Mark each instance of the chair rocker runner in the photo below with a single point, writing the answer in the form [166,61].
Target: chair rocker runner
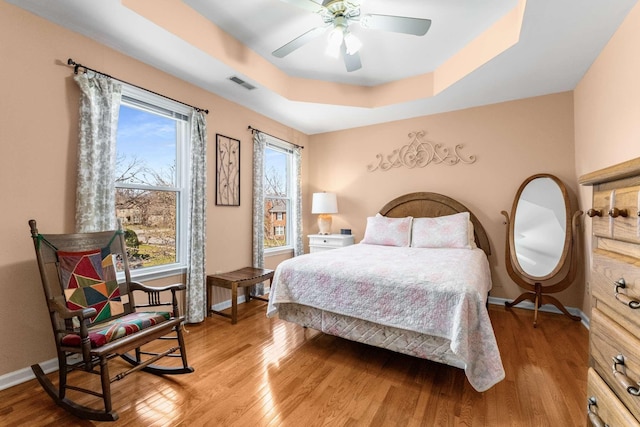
[94,317]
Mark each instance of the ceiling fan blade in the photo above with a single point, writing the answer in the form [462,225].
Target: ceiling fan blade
[299,41]
[308,5]
[352,62]
[397,24]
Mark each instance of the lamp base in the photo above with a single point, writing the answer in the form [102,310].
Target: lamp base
[324,224]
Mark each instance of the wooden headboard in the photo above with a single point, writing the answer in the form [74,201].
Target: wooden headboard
[429,205]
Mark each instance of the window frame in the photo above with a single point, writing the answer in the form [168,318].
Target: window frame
[287,149]
[156,104]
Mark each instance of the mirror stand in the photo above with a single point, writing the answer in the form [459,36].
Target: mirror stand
[537,292]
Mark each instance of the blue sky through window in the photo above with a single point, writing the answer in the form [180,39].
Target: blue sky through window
[148,137]
[276,161]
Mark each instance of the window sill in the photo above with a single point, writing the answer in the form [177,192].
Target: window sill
[278,251]
[155,273]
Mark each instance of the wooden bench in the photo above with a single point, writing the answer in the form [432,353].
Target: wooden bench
[244,278]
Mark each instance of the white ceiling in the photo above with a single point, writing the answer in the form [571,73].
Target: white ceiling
[558,42]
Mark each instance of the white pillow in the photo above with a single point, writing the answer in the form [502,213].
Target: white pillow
[472,236]
[450,231]
[388,231]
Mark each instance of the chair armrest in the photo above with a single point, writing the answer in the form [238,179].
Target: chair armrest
[153,294]
[83,314]
[66,313]
[137,286]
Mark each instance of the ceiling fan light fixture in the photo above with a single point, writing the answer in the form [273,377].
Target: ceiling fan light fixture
[352,43]
[336,37]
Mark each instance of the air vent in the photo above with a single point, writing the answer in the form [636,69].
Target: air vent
[242,83]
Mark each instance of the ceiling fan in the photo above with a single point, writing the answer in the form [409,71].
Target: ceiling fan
[338,15]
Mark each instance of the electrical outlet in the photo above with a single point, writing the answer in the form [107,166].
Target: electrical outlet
[588,287]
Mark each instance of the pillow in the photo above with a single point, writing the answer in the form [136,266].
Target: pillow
[387,231]
[472,236]
[450,231]
[89,280]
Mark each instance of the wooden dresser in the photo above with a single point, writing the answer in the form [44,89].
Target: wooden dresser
[614,345]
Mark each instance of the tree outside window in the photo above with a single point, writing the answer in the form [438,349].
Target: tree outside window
[149,181]
[277,182]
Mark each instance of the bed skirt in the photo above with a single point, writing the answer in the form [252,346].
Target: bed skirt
[412,343]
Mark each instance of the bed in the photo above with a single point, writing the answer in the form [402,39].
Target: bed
[416,284]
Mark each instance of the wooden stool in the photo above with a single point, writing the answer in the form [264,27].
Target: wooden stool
[244,277]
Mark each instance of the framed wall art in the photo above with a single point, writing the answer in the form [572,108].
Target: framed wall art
[227,171]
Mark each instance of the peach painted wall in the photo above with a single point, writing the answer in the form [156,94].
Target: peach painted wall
[607,109]
[38,128]
[38,136]
[511,141]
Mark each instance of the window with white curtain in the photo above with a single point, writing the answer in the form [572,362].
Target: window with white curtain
[152,180]
[279,191]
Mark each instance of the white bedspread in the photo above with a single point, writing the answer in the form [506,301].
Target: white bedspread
[440,292]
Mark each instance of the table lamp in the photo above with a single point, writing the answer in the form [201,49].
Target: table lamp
[324,204]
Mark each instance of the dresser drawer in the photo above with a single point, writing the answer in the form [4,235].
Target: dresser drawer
[608,340]
[626,227]
[602,225]
[331,240]
[609,268]
[604,406]
[324,242]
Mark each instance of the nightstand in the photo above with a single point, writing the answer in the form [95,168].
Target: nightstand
[324,242]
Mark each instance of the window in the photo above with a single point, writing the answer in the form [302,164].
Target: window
[151,179]
[279,191]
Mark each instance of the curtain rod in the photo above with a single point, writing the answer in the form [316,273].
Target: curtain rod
[253,130]
[76,66]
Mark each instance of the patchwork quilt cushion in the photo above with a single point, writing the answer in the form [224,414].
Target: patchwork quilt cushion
[89,280]
[100,335]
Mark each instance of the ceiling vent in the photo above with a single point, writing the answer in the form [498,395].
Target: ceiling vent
[242,83]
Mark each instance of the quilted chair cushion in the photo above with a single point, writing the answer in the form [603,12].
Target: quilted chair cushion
[89,280]
[118,328]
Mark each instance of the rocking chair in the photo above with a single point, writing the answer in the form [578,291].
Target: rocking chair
[94,317]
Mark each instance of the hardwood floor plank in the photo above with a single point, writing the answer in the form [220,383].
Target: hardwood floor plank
[267,372]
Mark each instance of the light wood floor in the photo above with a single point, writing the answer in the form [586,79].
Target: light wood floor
[267,372]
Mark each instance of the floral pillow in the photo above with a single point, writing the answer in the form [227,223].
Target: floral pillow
[388,231]
[450,231]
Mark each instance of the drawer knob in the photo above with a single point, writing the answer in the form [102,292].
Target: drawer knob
[615,213]
[624,298]
[594,212]
[632,387]
[595,419]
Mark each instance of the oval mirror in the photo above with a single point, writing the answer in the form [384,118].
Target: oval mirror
[541,227]
[541,240]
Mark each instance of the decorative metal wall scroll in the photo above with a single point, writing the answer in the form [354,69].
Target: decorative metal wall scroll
[227,171]
[419,153]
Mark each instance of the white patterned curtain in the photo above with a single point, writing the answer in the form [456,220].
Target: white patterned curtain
[259,145]
[96,192]
[298,246]
[195,294]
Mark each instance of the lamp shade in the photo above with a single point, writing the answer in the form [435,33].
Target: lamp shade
[324,203]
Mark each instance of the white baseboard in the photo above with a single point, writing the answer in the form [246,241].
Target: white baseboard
[226,304]
[23,375]
[528,305]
